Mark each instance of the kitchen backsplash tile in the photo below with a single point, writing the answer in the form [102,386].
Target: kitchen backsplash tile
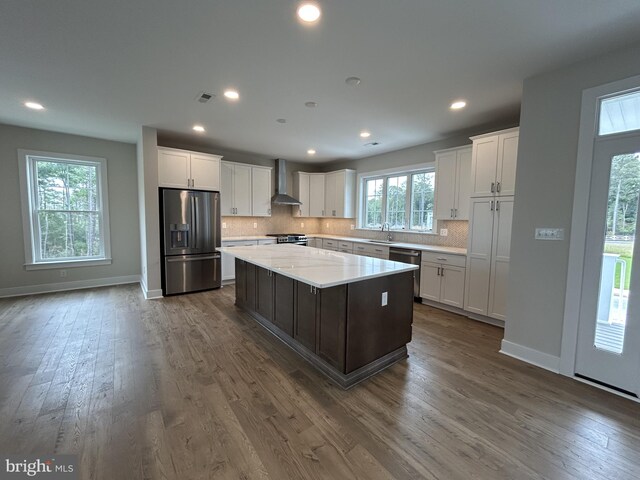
[281,221]
[456,235]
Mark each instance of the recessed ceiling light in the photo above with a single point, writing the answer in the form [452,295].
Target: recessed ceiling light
[458,104]
[198,128]
[311,104]
[311,151]
[365,134]
[281,120]
[231,94]
[308,12]
[33,105]
[353,81]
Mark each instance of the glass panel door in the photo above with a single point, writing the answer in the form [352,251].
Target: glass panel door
[608,349]
[617,254]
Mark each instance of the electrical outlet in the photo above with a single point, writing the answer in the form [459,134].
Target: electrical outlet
[255,224]
[385,298]
[444,232]
[353,227]
[546,233]
[63,273]
[327,225]
[301,224]
[224,224]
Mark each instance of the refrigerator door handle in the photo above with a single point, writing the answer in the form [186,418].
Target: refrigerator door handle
[194,228]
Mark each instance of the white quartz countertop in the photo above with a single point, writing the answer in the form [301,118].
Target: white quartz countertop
[415,246]
[314,266]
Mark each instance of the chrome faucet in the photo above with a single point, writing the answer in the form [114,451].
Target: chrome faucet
[389,234]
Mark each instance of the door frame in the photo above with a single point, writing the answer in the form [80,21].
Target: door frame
[578,239]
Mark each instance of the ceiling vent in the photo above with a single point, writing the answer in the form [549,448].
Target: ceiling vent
[205,97]
[372,144]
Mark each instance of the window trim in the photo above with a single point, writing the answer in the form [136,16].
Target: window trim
[27,180]
[389,172]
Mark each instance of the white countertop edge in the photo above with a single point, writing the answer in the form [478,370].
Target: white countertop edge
[416,246]
[290,273]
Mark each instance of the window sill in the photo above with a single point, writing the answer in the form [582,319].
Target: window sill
[412,232]
[94,262]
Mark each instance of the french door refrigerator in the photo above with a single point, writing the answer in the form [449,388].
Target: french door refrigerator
[190,240]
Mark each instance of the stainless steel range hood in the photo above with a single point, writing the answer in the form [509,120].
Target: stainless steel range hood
[281,197]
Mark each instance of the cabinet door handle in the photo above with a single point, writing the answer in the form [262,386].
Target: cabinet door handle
[323,213]
[497,205]
[498,187]
[442,271]
[438,271]
[269,211]
[493,187]
[491,205]
[452,213]
[455,212]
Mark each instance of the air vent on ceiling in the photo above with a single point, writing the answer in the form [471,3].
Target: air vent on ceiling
[372,144]
[204,97]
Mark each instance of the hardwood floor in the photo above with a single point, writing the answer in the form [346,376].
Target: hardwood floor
[192,388]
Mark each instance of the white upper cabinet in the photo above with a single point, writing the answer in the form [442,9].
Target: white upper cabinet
[325,194]
[316,195]
[453,183]
[301,192]
[493,165]
[261,192]
[184,169]
[246,190]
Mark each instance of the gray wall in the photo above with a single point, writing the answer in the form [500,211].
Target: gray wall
[123,199]
[414,155]
[549,126]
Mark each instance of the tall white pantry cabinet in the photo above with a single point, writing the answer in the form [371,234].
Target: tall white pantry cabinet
[493,168]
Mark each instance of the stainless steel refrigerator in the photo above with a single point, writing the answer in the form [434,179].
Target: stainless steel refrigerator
[190,226]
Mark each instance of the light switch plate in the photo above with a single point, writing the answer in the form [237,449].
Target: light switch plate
[255,224]
[301,224]
[546,233]
[444,232]
[353,227]
[385,298]
[224,224]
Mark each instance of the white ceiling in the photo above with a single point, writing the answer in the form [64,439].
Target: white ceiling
[104,68]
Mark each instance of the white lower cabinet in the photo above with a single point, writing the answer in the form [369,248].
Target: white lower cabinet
[442,278]
[371,250]
[488,256]
[228,262]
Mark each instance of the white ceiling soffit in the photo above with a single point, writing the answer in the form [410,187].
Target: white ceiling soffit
[104,68]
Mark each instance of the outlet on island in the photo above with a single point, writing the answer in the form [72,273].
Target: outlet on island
[444,232]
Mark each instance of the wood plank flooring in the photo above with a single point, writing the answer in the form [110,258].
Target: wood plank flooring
[190,387]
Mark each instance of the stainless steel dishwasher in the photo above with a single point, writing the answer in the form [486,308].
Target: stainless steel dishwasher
[408,255]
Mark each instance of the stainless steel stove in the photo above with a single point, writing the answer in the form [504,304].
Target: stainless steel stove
[296,238]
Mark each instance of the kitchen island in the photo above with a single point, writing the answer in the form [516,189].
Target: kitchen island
[349,315]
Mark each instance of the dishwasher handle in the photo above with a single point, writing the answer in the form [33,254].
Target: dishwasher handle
[406,253]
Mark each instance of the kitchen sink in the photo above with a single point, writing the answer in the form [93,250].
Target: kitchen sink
[380,241]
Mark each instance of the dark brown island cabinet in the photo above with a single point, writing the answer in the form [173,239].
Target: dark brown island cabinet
[349,332]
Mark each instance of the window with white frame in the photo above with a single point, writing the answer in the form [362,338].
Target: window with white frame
[65,209]
[404,200]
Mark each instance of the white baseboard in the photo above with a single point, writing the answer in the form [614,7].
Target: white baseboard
[64,286]
[151,294]
[481,318]
[529,355]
